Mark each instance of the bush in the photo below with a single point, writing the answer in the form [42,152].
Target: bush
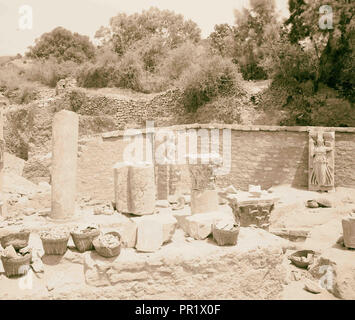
[213,76]
[130,72]
[50,72]
[15,86]
[102,73]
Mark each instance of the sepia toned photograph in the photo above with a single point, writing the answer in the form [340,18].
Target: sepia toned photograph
[168,152]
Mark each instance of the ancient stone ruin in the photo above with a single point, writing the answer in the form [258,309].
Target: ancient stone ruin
[175,230]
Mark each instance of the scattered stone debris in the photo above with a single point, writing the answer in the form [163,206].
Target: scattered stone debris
[312,287]
[29,211]
[180,204]
[324,203]
[312,204]
[105,209]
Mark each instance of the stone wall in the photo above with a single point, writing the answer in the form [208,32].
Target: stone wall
[259,155]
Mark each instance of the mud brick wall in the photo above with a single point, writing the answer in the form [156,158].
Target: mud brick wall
[259,155]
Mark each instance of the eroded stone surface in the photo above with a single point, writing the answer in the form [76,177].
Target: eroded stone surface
[199,226]
[251,270]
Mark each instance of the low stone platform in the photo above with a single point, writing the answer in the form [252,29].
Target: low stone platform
[179,270]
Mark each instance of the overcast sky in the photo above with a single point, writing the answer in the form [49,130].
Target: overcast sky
[86,16]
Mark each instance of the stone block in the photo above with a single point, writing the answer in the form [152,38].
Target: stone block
[204,201]
[349,232]
[168,222]
[199,226]
[13,164]
[150,235]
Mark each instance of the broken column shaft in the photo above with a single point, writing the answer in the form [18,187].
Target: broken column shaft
[64,164]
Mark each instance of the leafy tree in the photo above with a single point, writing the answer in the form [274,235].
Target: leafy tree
[256,28]
[333,48]
[126,30]
[63,45]
[222,39]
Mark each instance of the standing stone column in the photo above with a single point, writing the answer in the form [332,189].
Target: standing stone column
[65,133]
[3,211]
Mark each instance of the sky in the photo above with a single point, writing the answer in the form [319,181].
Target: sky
[86,16]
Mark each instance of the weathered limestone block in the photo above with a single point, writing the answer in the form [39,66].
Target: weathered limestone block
[64,164]
[253,212]
[204,201]
[142,188]
[253,269]
[150,235]
[321,161]
[121,187]
[199,226]
[168,222]
[13,164]
[349,232]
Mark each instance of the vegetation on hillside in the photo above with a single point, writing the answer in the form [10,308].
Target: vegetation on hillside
[312,69]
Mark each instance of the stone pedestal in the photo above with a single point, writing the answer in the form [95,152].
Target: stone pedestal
[64,164]
[349,232]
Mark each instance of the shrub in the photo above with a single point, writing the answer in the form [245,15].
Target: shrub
[130,71]
[15,86]
[212,76]
[50,72]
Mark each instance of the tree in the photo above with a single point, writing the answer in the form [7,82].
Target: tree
[255,29]
[222,39]
[126,30]
[63,45]
[332,47]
